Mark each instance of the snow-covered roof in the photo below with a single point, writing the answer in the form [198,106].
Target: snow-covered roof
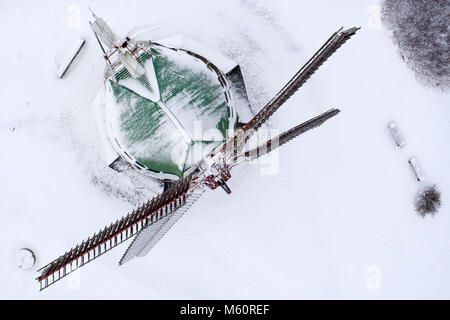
[167,119]
[184,42]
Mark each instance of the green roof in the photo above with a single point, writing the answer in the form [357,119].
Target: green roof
[162,135]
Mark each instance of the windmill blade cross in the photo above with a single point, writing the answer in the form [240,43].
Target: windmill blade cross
[151,221]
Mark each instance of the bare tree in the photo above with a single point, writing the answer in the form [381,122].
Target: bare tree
[420,31]
[428,200]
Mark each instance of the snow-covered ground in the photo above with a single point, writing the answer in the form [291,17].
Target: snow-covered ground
[336,220]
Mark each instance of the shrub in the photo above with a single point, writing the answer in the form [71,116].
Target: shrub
[428,200]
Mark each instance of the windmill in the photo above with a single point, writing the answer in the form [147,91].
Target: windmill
[149,222]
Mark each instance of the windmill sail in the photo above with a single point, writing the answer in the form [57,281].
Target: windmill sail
[118,232]
[285,137]
[143,238]
[236,144]
[148,237]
